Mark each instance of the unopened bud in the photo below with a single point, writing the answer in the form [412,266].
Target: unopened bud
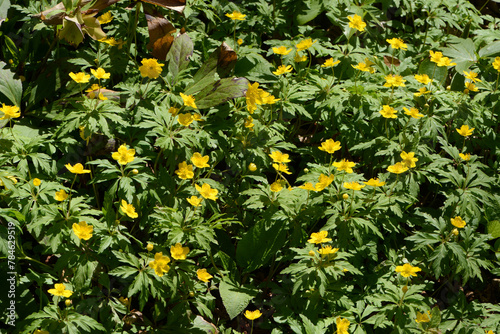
[149,247]
[405,289]
[135,171]
[252,167]
[306,170]
[191,294]
[345,196]
[68,302]
[312,253]
[448,87]
[466,91]
[455,231]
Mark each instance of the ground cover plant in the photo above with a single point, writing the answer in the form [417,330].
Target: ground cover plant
[250,166]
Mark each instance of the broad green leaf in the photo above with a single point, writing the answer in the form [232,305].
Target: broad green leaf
[433,71]
[259,244]
[179,55]
[235,298]
[221,91]
[315,7]
[11,88]
[492,49]
[494,228]
[462,53]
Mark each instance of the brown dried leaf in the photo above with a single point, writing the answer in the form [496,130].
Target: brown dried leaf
[160,34]
[54,15]
[227,59]
[177,5]
[388,60]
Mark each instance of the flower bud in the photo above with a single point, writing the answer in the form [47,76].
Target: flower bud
[252,167]
[149,247]
[68,302]
[306,170]
[312,253]
[405,289]
[345,196]
[466,91]
[135,171]
[455,232]
[448,87]
[191,294]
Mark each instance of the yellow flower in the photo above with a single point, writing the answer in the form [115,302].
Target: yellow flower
[82,230]
[252,167]
[374,182]
[465,130]
[323,182]
[394,81]
[407,270]
[422,317]
[470,86]
[397,168]
[173,110]
[124,155]
[150,68]
[328,250]
[207,192]
[319,237]
[365,66]
[195,201]
[445,61]
[36,182]
[353,185]
[256,96]
[10,177]
[128,209]
[80,77]
[178,252]
[239,41]
[436,56]
[185,119]
[330,146]
[388,112]
[200,161]
[77,169]
[249,123]
[308,186]
[356,22]
[496,64]
[61,195]
[397,43]
[60,290]
[344,165]
[279,157]
[422,91]
[100,73]
[196,117]
[188,101]
[408,159]
[160,264]
[111,41]
[282,69]
[203,275]
[185,171]
[458,222]
[252,315]
[236,16]
[281,50]
[281,168]
[342,326]
[330,63]
[413,112]
[472,76]
[277,186]
[305,44]
[269,99]
[102,97]
[465,157]
[10,111]
[105,18]
[299,59]
[423,78]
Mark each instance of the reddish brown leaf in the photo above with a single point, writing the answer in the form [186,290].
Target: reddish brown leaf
[388,60]
[160,34]
[54,15]
[177,5]
[227,58]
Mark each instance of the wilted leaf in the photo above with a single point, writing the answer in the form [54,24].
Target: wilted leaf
[54,15]
[71,31]
[388,60]
[221,91]
[177,5]
[160,34]
[92,27]
[100,4]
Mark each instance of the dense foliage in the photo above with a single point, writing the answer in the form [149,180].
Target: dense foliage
[250,166]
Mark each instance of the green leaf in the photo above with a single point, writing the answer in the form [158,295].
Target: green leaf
[235,298]
[435,318]
[490,50]
[221,91]
[494,228]
[433,71]
[306,15]
[462,52]
[10,87]
[179,55]
[259,244]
